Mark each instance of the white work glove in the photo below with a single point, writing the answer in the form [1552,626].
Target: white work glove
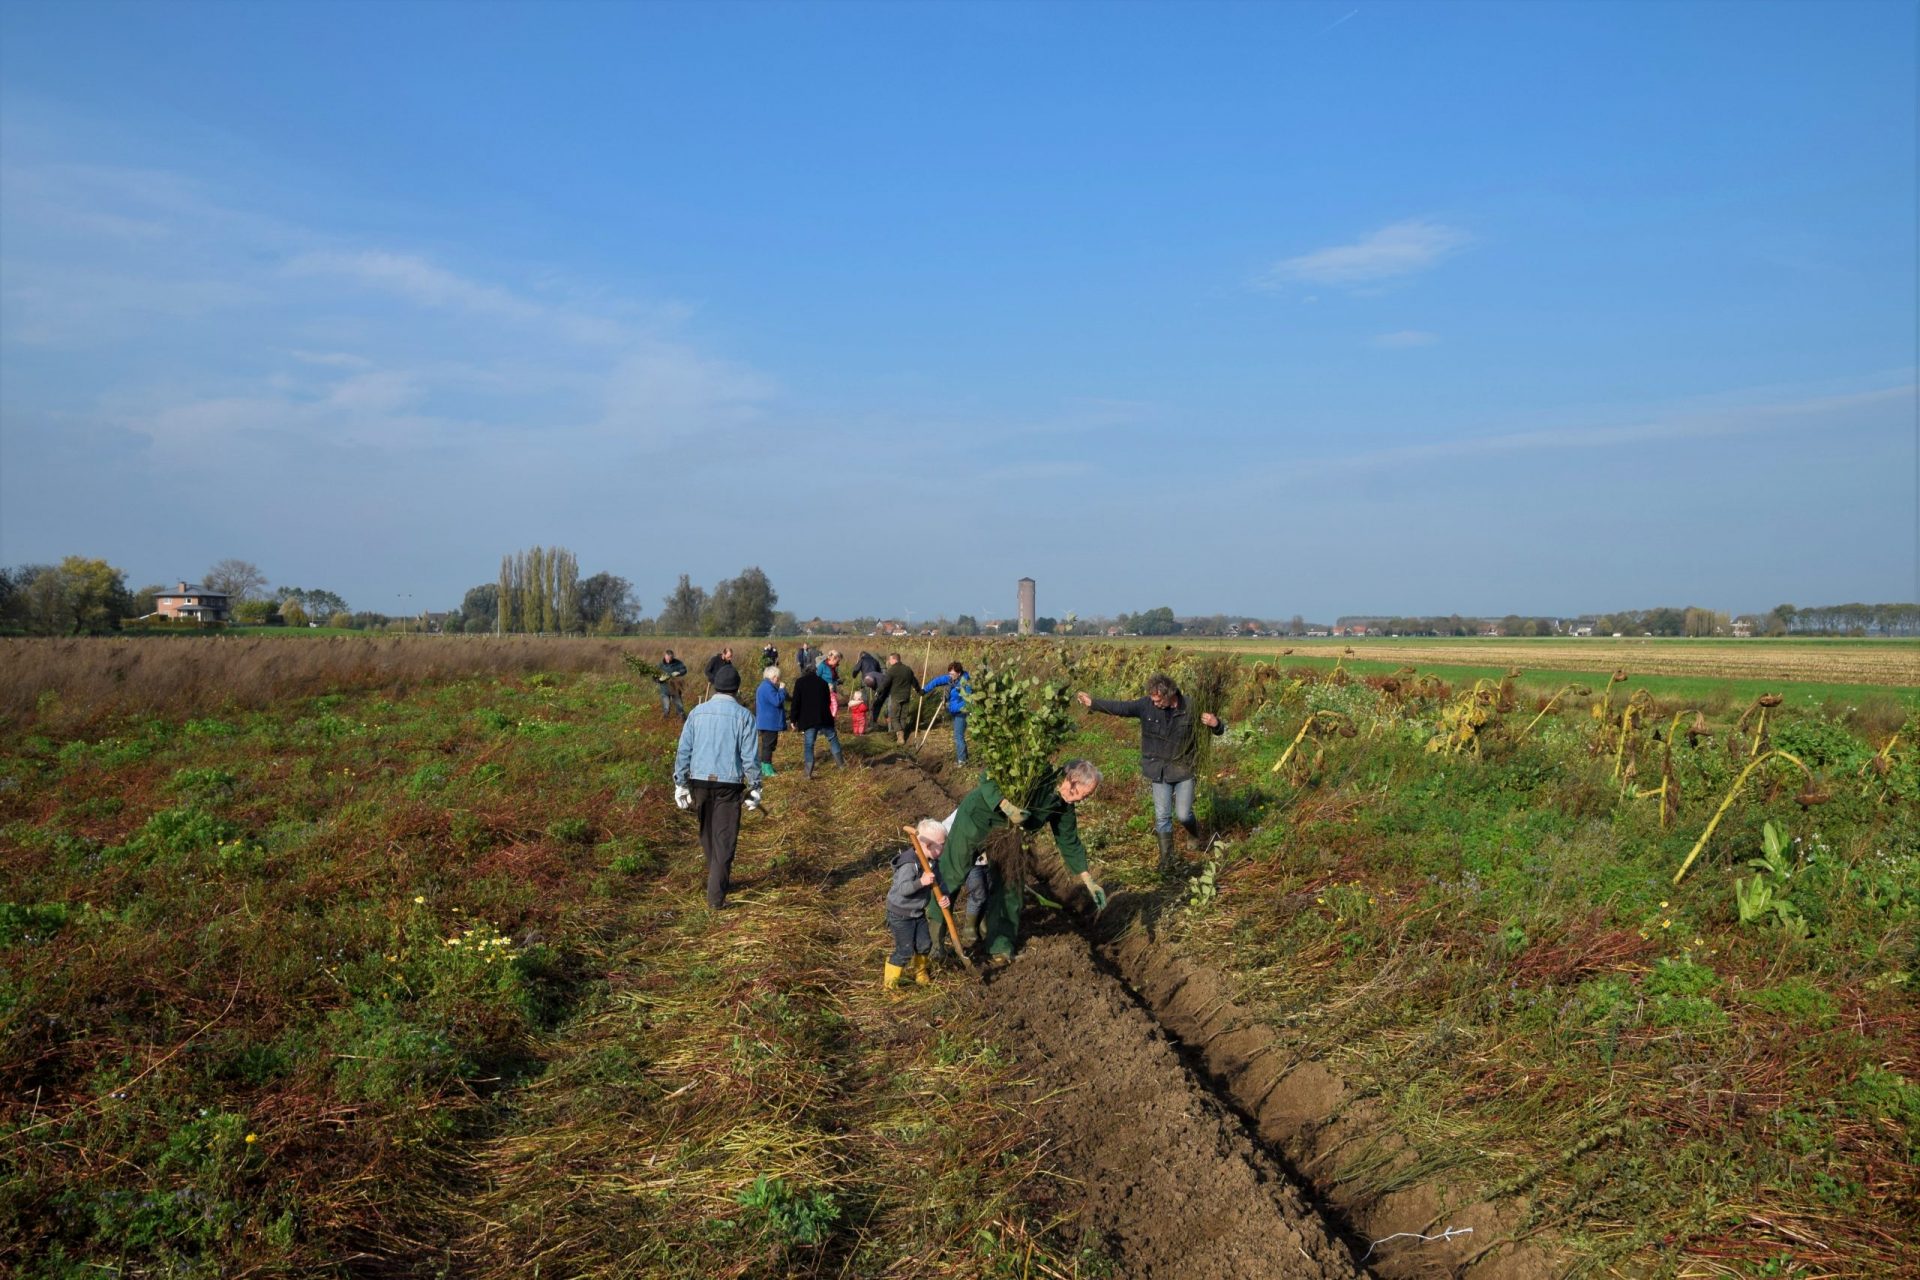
[753,799]
[683,796]
[1015,814]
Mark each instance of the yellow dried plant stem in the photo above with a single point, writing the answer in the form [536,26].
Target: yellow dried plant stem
[1551,703]
[1606,699]
[1299,737]
[1620,747]
[1733,793]
[1884,756]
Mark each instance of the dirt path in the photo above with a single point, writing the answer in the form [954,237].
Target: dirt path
[1169,1179]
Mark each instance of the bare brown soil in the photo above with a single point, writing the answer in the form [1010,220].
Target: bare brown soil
[1168,1178]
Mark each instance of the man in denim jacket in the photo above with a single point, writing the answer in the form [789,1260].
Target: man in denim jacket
[715,772]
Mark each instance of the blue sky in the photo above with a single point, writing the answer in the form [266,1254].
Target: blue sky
[1306,308]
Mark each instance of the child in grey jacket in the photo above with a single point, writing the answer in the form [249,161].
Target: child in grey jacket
[907,906]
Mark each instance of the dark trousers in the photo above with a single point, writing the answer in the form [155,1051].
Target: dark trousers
[910,937]
[769,739]
[717,805]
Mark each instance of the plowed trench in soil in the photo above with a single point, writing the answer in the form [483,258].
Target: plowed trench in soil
[1167,1177]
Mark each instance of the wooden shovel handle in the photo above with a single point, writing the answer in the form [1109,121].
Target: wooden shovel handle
[953,931]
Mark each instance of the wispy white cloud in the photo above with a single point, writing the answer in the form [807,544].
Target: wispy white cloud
[1678,425]
[310,343]
[1401,249]
[1405,338]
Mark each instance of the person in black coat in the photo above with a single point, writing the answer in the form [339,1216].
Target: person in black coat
[813,716]
[1167,753]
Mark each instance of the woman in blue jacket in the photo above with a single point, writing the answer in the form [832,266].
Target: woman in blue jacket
[959,687]
[770,716]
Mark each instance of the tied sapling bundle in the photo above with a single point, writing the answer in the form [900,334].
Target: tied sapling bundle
[1206,694]
[640,666]
[1016,723]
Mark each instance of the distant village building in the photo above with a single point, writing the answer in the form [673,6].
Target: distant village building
[1743,627]
[1027,610]
[192,603]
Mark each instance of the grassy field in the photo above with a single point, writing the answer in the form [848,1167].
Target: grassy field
[358,984]
[388,956]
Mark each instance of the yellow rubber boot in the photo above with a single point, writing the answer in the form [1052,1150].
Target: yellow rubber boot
[891,978]
[920,974]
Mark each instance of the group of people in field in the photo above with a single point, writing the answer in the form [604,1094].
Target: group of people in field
[726,752]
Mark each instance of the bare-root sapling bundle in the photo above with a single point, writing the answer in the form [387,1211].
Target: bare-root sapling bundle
[1015,724]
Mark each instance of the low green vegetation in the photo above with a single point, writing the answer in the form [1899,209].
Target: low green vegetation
[423,984]
[1486,941]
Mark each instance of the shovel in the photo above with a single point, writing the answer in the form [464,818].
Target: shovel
[953,930]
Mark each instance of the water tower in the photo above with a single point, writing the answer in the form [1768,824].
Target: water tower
[1027,614]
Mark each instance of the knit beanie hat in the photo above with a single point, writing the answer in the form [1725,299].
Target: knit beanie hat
[726,679]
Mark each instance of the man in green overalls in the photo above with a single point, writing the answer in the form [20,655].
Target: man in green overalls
[985,810]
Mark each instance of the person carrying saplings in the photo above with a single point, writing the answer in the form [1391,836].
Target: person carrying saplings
[985,810]
[1168,748]
[907,907]
[898,687]
[715,773]
[672,682]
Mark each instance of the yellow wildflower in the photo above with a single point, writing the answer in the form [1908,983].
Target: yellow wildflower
[253,1137]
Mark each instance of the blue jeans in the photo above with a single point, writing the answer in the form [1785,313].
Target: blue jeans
[960,737]
[975,887]
[1172,800]
[806,745]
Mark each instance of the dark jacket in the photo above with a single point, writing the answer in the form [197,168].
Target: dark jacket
[714,664]
[1166,752]
[898,685]
[671,671]
[906,896]
[868,665]
[979,815]
[812,709]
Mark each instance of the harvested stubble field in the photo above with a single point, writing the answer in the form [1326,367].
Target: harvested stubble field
[413,977]
[1886,663]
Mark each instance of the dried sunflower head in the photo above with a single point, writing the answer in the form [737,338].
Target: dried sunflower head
[1771,699]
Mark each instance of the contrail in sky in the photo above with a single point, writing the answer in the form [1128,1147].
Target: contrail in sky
[1336,22]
